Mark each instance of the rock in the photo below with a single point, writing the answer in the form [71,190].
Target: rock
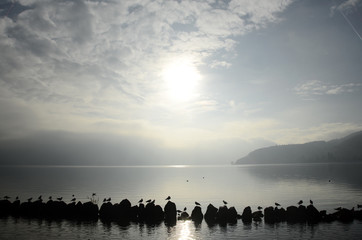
[247,215]
[313,215]
[257,216]
[5,207]
[196,214]
[210,215]
[170,213]
[232,215]
[184,216]
[222,214]
[269,215]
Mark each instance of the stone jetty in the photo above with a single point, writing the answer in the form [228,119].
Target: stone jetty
[124,211]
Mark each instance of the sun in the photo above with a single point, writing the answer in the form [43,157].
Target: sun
[181,79]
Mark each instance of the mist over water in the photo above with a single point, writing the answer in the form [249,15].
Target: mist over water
[328,185]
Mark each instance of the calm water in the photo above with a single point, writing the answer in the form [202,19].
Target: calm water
[329,185]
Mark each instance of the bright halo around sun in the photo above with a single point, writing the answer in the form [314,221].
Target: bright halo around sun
[181,79]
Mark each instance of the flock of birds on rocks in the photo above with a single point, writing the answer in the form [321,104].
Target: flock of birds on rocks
[124,210]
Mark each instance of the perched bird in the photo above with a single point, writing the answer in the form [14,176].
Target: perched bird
[141,200]
[104,200]
[59,198]
[185,209]
[29,199]
[93,194]
[198,204]
[259,208]
[277,204]
[153,201]
[148,201]
[187,180]
[338,208]
[179,211]
[17,198]
[225,202]
[39,198]
[352,209]
[6,197]
[311,202]
[300,202]
[73,199]
[168,198]
[359,205]
[50,197]
[109,199]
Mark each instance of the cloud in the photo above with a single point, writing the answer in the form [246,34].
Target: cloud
[316,87]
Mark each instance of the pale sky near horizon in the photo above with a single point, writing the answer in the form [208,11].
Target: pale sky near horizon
[177,81]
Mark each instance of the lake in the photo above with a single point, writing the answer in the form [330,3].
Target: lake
[328,185]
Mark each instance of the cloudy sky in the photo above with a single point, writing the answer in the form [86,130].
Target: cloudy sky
[141,81]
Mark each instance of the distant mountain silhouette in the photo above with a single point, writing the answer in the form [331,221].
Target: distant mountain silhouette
[347,149]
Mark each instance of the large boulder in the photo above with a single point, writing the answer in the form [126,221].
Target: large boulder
[170,213]
[222,215]
[196,214]
[232,215]
[269,215]
[313,215]
[210,215]
[247,215]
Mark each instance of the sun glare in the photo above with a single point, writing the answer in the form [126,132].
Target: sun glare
[181,79]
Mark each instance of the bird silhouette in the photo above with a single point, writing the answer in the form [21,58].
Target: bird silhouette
[359,205]
[225,202]
[17,198]
[277,204]
[311,202]
[50,197]
[153,201]
[6,197]
[104,200]
[29,199]
[259,208]
[141,200]
[198,204]
[109,199]
[148,201]
[59,198]
[185,209]
[168,198]
[93,194]
[300,202]
[338,208]
[179,211]
[73,199]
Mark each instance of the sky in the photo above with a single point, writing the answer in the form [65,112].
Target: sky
[175,82]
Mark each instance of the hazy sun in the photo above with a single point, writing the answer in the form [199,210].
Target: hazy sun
[181,78]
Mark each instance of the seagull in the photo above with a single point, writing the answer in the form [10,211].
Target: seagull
[29,199]
[104,200]
[6,197]
[153,201]
[185,209]
[148,201]
[50,197]
[225,202]
[300,202]
[141,200]
[59,198]
[198,204]
[168,198]
[277,204]
[17,198]
[338,208]
[260,208]
[93,194]
[39,198]
[179,211]
[73,199]
[359,206]
[311,202]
